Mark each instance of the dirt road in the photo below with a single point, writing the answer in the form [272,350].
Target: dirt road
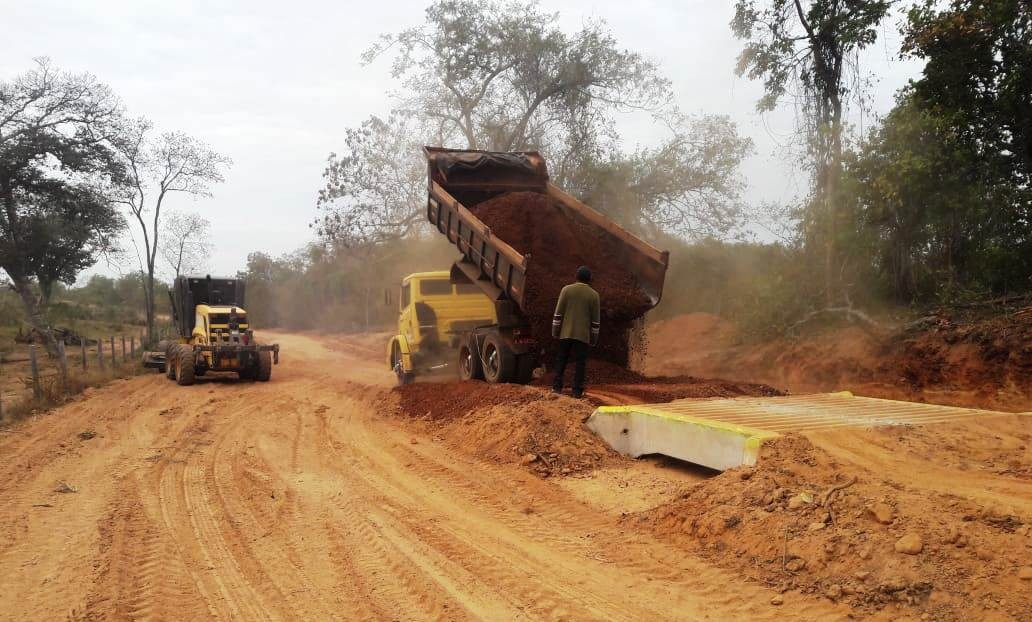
[296,500]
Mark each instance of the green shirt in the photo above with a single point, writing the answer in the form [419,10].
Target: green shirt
[577,314]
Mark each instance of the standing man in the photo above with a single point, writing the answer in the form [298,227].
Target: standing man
[575,325]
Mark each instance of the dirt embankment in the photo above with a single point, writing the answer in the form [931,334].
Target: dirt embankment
[983,363]
[532,426]
[929,521]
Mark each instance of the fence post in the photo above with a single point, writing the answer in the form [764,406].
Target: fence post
[123,349]
[82,348]
[113,361]
[37,388]
[64,363]
[100,353]
[132,347]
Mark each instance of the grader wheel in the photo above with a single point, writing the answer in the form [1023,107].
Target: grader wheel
[264,371]
[185,366]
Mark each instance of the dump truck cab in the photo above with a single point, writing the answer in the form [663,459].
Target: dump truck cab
[212,333]
[435,311]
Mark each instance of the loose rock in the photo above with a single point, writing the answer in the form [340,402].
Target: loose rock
[882,512]
[777,599]
[909,544]
[1025,573]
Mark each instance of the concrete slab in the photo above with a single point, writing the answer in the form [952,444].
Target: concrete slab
[726,433]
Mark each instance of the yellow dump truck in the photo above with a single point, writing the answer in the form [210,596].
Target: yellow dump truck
[480,325]
[436,312]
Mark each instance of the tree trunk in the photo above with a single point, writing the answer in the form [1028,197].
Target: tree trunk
[37,319]
[148,299]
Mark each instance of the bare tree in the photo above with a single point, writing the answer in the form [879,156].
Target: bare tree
[187,242]
[158,166]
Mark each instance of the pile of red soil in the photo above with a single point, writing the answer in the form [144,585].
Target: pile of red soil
[557,244]
[451,400]
[507,423]
[801,521]
[983,362]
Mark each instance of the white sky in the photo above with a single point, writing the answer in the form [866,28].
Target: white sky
[273,85]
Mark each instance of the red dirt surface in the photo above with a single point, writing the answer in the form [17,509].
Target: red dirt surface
[534,225]
[956,492]
[985,363]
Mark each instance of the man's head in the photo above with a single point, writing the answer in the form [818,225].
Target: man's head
[584,274]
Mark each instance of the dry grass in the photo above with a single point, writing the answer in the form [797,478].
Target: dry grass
[55,391]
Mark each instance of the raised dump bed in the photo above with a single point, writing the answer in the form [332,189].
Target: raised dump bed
[727,433]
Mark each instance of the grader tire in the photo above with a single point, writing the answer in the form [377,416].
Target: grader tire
[185,366]
[171,349]
[162,347]
[264,370]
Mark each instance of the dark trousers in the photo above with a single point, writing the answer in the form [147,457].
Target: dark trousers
[579,349]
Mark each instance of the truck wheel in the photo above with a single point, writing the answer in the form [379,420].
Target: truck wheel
[404,377]
[185,366]
[170,360]
[499,361]
[525,366]
[470,367]
[264,370]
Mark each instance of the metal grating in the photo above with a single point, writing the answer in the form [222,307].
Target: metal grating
[812,412]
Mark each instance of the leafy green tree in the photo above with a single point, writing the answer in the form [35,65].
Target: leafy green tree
[54,159]
[689,185]
[808,50]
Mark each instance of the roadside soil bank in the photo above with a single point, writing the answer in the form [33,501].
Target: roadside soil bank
[536,428]
[982,363]
[929,522]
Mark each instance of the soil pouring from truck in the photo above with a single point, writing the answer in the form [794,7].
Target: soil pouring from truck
[499,346]
[213,333]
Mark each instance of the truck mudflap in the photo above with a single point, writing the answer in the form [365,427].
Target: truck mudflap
[232,349]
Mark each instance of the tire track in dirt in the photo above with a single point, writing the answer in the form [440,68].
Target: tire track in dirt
[294,500]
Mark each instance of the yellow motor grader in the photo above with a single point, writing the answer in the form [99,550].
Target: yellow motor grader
[213,333]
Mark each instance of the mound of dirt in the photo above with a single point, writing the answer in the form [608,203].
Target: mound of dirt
[507,423]
[803,521]
[557,245]
[985,363]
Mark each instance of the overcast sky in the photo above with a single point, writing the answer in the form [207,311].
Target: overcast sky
[274,85]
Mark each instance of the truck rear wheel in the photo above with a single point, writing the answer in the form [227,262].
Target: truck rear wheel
[470,367]
[525,366]
[264,369]
[499,360]
[185,366]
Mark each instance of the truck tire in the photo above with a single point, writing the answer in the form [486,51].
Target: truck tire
[263,372]
[499,361]
[404,377]
[171,349]
[525,366]
[470,366]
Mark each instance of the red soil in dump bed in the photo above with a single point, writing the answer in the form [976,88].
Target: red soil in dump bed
[534,225]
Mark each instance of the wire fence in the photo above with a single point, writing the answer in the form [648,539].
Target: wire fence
[42,383]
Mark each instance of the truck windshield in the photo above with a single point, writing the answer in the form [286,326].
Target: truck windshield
[406,295]
[435,287]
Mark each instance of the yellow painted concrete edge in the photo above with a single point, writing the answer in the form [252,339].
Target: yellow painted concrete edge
[754,437]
